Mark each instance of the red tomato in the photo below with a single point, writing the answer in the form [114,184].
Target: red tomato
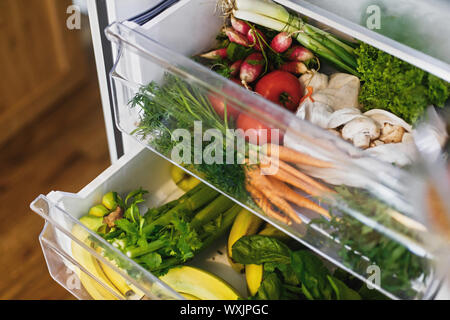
[282,88]
[218,104]
[260,134]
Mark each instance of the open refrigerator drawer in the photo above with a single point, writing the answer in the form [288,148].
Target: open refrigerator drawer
[373,206]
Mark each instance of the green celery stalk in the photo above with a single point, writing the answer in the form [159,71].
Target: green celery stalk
[211,211]
[198,199]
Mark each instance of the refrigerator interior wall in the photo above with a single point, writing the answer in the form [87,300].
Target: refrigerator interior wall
[143,59]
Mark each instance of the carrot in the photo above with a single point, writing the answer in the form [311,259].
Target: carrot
[262,183]
[296,173]
[284,176]
[290,155]
[266,206]
[299,200]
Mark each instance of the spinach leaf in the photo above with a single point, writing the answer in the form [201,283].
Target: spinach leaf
[259,249]
[271,288]
[312,273]
[342,291]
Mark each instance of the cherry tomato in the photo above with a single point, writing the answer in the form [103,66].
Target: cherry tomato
[282,88]
[260,134]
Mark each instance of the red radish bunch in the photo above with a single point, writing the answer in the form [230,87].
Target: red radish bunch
[281,42]
[215,54]
[236,37]
[256,40]
[235,67]
[294,67]
[299,53]
[240,26]
[252,67]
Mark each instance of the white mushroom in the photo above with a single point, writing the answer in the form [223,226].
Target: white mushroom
[361,131]
[343,116]
[391,133]
[382,117]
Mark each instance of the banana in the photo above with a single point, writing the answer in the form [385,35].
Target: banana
[131,293]
[270,230]
[246,223]
[253,276]
[254,272]
[84,258]
[182,179]
[189,296]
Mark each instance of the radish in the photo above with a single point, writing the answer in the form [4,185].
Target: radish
[251,67]
[255,41]
[294,67]
[299,53]
[215,54]
[235,67]
[236,37]
[239,25]
[281,42]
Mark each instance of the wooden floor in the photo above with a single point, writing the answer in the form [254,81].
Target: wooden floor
[62,150]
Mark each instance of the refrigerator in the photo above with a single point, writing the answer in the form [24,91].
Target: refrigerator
[139,41]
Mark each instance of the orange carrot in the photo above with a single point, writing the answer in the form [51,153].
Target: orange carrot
[259,181]
[292,196]
[284,176]
[289,155]
[296,173]
[266,206]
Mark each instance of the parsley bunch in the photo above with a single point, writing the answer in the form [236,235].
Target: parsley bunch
[396,86]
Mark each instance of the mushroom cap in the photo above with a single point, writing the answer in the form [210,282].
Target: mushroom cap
[343,116]
[363,125]
[382,117]
[361,131]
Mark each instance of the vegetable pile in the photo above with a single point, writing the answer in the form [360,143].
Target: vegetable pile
[294,274]
[264,48]
[166,236]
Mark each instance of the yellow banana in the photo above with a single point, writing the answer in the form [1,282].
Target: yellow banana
[84,258]
[246,223]
[254,272]
[119,282]
[188,296]
[182,179]
[270,230]
[253,276]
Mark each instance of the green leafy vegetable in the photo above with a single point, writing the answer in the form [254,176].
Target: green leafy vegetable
[400,267]
[260,249]
[289,274]
[394,85]
[170,235]
[176,105]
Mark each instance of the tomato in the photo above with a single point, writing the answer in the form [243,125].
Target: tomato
[218,104]
[282,88]
[262,134]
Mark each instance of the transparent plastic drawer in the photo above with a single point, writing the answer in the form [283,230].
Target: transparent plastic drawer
[78,267]
[375,211]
